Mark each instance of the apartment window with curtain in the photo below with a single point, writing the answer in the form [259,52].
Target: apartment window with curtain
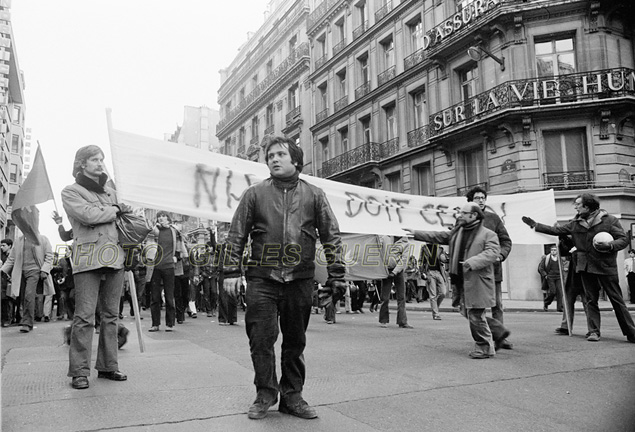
[293,97]
[255,123]
[365,129]
[341,78]
[269,116]
[388,48]
[424,183]
[344,140]
[555,57]
[473,167]
[241,137]
[361,16]
[566,150]
[363,69]
[323,95]
[415,29]
[419,108]
[391,122]
[324,144]
[241,95]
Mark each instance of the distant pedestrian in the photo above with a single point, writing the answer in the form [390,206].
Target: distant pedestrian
[549,270]
[629,270]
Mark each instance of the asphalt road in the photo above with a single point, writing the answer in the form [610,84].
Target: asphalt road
[360,377]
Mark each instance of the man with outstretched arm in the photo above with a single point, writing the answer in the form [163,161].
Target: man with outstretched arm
[595,261]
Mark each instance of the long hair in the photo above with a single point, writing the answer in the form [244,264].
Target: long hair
[82,155]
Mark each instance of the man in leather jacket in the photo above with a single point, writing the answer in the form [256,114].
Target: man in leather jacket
[281,216]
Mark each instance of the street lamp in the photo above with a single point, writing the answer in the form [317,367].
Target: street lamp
[474,52]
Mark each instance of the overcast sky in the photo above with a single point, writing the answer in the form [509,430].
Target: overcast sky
[144,59]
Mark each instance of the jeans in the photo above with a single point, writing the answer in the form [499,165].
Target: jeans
[31,279]
[272,307]
[592,283]
[481,332]
[181,296]
[400,290]
[91,290]
[437,289]
[167,276]
[210,294]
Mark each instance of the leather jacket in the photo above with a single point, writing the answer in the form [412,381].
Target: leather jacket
[282,222]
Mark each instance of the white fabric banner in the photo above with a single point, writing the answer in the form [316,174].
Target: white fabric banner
[163,175]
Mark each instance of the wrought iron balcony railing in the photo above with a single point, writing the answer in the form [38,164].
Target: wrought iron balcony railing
[535,92]
[389,148]
[298,54]
[568,180]
[368,152]
[419,136]
[341,103]
[293,114]
[383,11]
[339,46]
[322,115]
[414,59]
[241,149]
[362,90]
[319,62]
[269,130]
[254,140]
[360,30]
[386,75]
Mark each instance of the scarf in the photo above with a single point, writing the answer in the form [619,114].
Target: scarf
[90,184]
[287,182]
[462,241]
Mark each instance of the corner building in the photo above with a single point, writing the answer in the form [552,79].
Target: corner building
[435,97]
[264,91]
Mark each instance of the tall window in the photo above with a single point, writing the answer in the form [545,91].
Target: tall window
[15,143]
[254,81]
[254,128]
[324,99]
[321,45]
[241,95]
[416,35]
[340,30]
[391,122]
[394,182]
[292,44]
[228,146]
[566,150]
[228,108]
[293,97]
[363,69]
[341,83]
[362,13]
[469,82]
[555,57]
[388,47]
[473,167]
[269,67]
[13,173]
[424,184]
[366,132]
[324,143]
[269,116]
[241,137]
[419,108]
[344,140]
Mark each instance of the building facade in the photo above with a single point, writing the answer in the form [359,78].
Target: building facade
[434,97]
[198,129]
[265,90]
[12,131]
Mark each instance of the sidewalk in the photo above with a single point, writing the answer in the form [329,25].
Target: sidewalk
[509,305]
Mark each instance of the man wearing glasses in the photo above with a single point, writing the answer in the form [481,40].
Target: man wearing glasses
[595,262]
[492,221]
[473,251]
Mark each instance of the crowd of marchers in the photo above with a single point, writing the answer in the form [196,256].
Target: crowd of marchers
[175,279]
